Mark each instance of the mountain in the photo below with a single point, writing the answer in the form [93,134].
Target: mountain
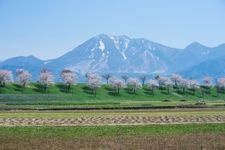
[30,63]
[116,54]
[214,68]
[191,55]
[212,64]
[124,55]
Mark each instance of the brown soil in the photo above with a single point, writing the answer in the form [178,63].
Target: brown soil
[172,142]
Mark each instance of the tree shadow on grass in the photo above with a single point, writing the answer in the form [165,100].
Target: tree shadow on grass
[190,92]
[38,88]
[176,87]
[129,91]
[148,91]
[180,92]
[62,88]
[87,90]
[111,91]
[18,87]
[114,93]
[165,92]
[108,88]
[214,95]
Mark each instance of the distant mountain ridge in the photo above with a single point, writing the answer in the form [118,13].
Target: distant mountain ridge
[124,55]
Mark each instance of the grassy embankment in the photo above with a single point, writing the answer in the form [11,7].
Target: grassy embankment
[12,96]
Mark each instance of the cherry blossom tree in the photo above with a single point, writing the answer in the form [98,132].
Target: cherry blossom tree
[125,78]
[207,83]
[221,82]
[93,81]
[107,76]
[164,82]
[87,75]
[193,85]
[5,76]
[69,78]
[157,77]
[176,78]
[152,84]
[45,79]
[161,80]
[168,84]
[188,84]
[134,84]
[117,84]
[183,83]
[220,85]
[143,78]
[23,77]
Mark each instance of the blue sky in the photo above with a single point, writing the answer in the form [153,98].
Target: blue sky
[50,28]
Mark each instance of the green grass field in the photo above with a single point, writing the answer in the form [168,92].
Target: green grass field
[80,96]
[110,113]
[191,136]
[107,131]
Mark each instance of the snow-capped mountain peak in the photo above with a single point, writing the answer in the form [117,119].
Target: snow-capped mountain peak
[120,54]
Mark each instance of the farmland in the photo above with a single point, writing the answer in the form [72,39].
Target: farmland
[188,135]
[56,119]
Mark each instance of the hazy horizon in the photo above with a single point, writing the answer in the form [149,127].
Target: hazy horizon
[49,29]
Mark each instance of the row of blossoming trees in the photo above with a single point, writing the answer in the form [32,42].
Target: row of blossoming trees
[70,78]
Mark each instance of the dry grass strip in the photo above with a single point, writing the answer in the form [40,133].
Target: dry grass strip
[120,120]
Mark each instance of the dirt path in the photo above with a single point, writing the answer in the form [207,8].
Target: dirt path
[121,120]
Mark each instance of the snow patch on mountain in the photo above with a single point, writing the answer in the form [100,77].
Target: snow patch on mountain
[101,45]
[116,41]
[92,49]
[46,62]
[124,56]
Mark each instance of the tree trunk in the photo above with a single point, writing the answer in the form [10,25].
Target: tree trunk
[24,85]
[45,88]
[217,91]
[168,90]
[209,90]
[69,88]
[202,91]
[193,91]
[175,84]
[152,90]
